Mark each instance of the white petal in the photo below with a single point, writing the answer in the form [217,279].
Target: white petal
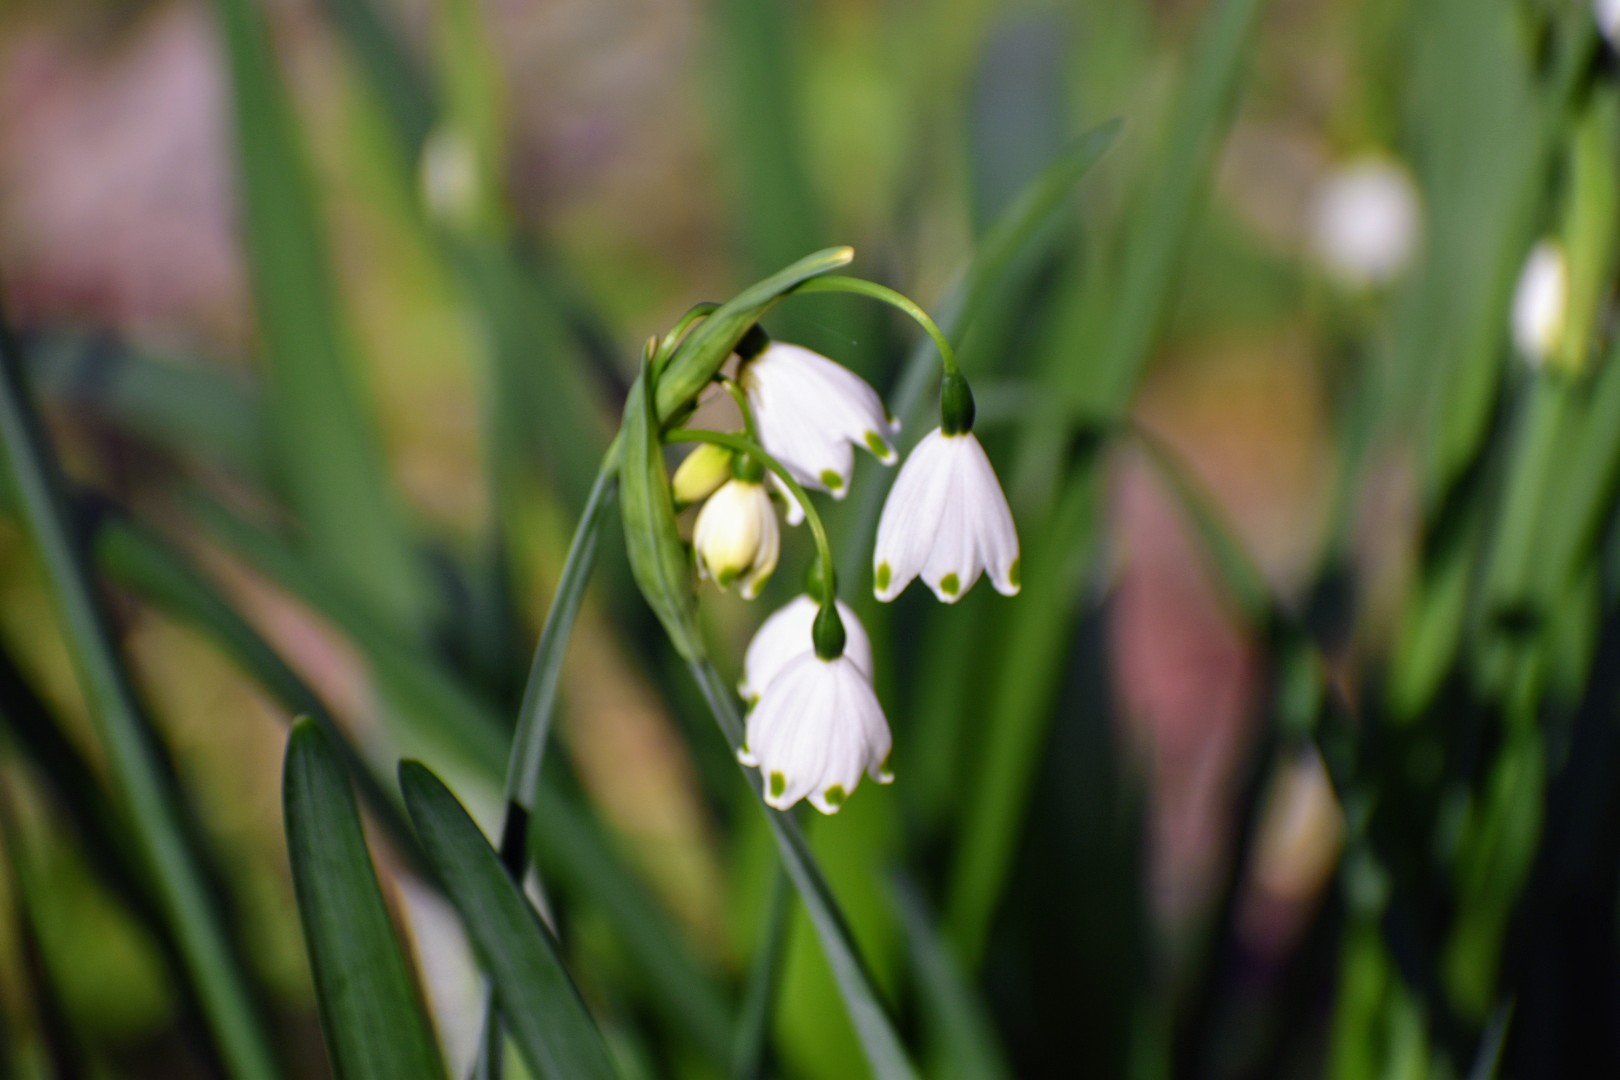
[910,523]
[991,517]
[810,411]
[953,565]
[817,728]
[736,535]
[787,635]
[1539,302]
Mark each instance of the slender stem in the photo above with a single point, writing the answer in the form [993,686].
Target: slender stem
[741,398]
[743,445]
[540,693]
[132,754]
[886,295]
[764,976]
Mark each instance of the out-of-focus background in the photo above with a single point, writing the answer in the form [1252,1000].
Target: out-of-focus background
[338,300]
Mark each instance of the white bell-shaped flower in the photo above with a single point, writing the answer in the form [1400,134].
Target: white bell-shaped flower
[946,520]
[737,537]
[811,413]
[1607,14]
[1539,303]
[787,635]
[817,728]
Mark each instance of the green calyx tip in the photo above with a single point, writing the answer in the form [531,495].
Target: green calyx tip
[1015,573]
[778,785]
[748,468]
[956,408]
[831,479]
[753,342]
[876,444]
[828,631]
[834,796]
[884,575]
[950,584]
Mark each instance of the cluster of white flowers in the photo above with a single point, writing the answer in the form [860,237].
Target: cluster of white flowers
[815,725]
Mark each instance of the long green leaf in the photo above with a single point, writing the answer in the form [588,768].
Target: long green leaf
[370,1010]
[329,461]
[539,1001]
[884,1050]
[142,783]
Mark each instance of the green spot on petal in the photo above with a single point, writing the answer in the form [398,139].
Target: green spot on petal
[831,479]
[778,785]
[725,577]
[884,575]
[834,796]
[875,443]
[1013,573]
[950,584]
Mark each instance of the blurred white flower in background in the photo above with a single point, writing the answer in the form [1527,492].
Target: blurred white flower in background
[1607,14]
[1539,303]
[1365,221]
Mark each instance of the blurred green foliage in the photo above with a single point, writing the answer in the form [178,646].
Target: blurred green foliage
[1297,756]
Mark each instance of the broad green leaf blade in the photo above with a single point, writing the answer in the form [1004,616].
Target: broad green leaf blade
[658,558]
[393,74]
[964,1032]
[370,1010]
[884,1050]
[539,1002]
[705,349]
[141,778]
[777,204]
[327,456]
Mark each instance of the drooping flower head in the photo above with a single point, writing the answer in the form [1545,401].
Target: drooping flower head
[811,414]
[736,536]
[786,636]
[700,474]
[818,726]
[946,518]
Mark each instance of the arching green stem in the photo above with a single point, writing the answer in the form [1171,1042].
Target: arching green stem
[742,445]
[886,295]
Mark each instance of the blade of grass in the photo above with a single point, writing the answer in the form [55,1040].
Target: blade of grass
[777,202]
[394,74]
[142,785]
[963,1031]
[543,1010]
[189,409]
[884,1051]
[759,995]
[370,1010]
[327,455]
